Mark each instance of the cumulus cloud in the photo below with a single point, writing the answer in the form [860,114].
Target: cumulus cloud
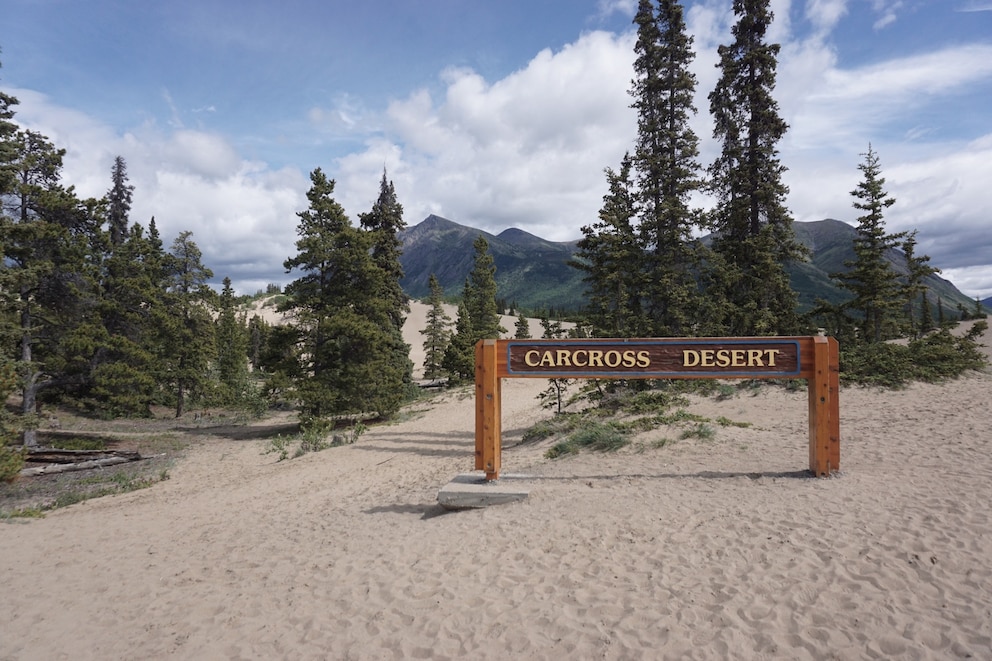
[241,213]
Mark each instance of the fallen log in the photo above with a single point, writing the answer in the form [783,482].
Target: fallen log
[59,456]
[121,457]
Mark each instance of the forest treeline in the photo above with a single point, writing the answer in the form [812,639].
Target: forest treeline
[100,315]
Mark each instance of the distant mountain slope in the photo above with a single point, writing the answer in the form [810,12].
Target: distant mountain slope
[530,271]
[534,273]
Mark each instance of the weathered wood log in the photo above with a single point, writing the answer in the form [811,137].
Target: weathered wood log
[82,465]
[59,456]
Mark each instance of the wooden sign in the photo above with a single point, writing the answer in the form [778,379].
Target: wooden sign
[812,358]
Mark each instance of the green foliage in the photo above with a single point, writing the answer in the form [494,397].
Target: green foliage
[701,431]
[878,294]
[935,357]
[755,241]
[437,333]
[595,436]
[11,462]
[345,354]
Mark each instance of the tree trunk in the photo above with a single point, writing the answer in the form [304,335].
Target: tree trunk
[29,389]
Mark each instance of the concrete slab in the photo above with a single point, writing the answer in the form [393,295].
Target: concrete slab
[471,491]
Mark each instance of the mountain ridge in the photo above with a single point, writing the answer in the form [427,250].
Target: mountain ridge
[533,273]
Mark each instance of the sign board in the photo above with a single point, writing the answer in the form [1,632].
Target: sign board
[812,358]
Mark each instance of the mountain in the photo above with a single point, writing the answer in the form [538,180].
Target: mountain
[531,272]
[534,273]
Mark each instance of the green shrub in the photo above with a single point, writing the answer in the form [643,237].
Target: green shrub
[11,462]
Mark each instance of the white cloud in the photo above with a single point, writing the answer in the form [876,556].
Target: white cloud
[241,213]
[527,150]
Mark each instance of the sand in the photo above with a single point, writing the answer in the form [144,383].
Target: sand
[705,549]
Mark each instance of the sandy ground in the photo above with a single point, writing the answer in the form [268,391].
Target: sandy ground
[705,549]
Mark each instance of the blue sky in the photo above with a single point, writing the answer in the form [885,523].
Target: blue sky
[494,114]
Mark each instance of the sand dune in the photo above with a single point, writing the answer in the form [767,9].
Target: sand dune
[705,549]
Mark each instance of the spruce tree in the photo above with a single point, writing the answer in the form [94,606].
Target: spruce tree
[384,223]
[754,240]
[521,328]
[666,167]
[610,255]
[480,294]
[118,202]
[349,346]
[437,332]
[232,347]
[552,396]
[187,325]
[877,292]
[46,275]
[918,269]
[459,357]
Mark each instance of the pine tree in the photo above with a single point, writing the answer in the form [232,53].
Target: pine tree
[436,333]
[46,278]
[119,202]
[918,269]
[384,222]
[610,255]
[522,328]
[459,357]
[480,294]
[552,396]
[8,144]
[667,169]
[754,236]
[349,346]
[878,294]
[128,342]
[232,346]
[187,324]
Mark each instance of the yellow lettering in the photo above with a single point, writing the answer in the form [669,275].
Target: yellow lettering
[628,359]
[771,353]
[564,358]
[575,358]
[547,359]
[738,358]
[595,358]
[643,359]
[722,358]
[612,358]
[531,358]
[690,358]
[706,358]
[754,358]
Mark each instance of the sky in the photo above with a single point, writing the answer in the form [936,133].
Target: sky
[491,113]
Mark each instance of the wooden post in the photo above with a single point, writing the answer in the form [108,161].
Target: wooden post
[824,407]
[488,429]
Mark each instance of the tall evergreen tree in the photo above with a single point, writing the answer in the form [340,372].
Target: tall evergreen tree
[611,256]
[46,280]
[878,294]
[119,202]
[754,236]
[384,222]
[437,333]
[459,357]
[521,328]
[232,346]
[349,343]
[187,324]
[918,269]
[667,169]
[8,144]
[480,294]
